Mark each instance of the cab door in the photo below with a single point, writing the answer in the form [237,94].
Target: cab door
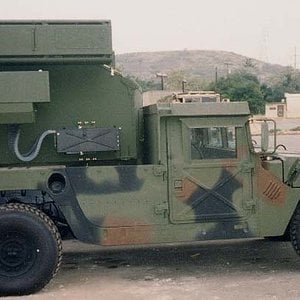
[209,170]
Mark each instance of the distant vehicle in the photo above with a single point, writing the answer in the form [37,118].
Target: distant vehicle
[197,96]
[81,157]
[194,96]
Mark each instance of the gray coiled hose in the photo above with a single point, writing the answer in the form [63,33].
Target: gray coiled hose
[13,143]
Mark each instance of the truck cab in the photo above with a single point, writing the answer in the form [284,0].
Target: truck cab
[215,179]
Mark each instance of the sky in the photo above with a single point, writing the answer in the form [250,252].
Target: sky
[262,29]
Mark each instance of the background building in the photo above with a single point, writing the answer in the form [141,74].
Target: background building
[275,110]
[288,108]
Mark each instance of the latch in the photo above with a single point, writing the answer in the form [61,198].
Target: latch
[159,170]
[247,166]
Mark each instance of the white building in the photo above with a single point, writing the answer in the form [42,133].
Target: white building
[288,108]
[292,105]
[275,110]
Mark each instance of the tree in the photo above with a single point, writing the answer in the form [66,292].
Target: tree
[242,86]
[287,82]
[249,63]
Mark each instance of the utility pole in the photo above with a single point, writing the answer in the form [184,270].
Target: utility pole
[183,82]
[228,70]
[216,75]
[162,76]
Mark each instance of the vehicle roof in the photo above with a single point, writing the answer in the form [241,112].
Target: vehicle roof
[199,109]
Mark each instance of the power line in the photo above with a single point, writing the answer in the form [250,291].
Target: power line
[295,58]
[264,45]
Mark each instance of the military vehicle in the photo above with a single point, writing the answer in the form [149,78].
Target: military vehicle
[81,156]
[197,96]
[192,96]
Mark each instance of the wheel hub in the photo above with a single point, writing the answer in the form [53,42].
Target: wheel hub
[17,255]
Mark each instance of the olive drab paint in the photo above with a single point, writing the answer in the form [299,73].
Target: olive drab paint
[77,143]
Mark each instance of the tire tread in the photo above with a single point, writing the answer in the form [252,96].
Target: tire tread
[21,207]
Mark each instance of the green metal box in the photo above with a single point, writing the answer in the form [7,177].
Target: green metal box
[18,92]
[53,41]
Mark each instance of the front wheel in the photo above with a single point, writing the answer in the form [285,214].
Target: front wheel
[30,249]
[295,230]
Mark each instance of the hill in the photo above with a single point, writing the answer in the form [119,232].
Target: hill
[198,63]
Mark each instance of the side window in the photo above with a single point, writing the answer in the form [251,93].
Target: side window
[213,143]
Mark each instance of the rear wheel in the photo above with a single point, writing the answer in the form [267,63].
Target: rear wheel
[30,249]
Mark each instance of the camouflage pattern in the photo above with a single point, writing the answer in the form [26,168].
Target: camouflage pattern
[177,172]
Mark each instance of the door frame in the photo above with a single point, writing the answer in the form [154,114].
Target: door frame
[180,162]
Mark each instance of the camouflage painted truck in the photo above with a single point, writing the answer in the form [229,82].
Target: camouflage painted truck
[80,155]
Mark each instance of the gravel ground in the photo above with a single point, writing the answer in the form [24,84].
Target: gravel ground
[238,269]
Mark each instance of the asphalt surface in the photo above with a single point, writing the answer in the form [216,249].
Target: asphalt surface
[239,269]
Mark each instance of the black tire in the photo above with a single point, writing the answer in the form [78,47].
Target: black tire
[295,230]
[30,249]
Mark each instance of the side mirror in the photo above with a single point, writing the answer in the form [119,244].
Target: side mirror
[265,136]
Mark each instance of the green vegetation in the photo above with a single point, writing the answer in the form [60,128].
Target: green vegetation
[244,85]
[146,85]
[241,85]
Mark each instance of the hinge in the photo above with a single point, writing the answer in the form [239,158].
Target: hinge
[161,209]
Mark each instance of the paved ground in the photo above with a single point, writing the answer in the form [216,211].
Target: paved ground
[285,124]
[286,134]
[249,269]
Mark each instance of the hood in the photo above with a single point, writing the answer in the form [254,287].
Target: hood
[291,167]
